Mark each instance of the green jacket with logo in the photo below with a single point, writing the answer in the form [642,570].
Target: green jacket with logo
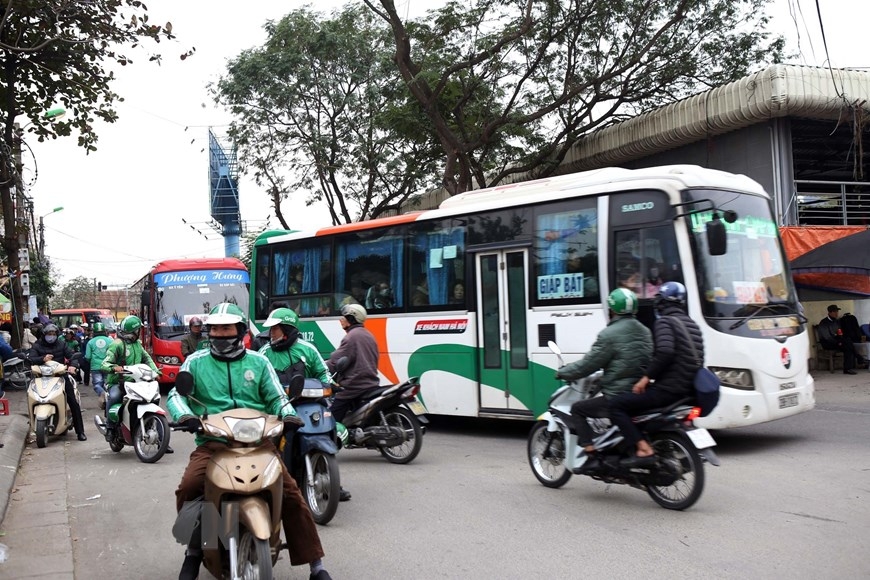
[122,354]
[247,383]
[300,350]
[623,349]
[96,351]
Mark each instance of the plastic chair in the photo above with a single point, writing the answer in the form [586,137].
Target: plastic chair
[829,357]
[4,406]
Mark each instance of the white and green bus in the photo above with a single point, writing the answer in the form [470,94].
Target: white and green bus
[468,295]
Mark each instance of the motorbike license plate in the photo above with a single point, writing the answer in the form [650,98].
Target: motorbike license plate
[787,401]
[701,438]
[417,407]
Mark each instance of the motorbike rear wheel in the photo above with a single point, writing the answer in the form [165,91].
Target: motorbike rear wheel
[41,432]
[677,453]
[547,456]
[322,497]
[255,558]
[151,438]
[405,420]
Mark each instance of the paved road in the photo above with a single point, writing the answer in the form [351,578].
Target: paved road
[790,500]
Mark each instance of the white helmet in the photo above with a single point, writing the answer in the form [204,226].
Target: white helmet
[354,313]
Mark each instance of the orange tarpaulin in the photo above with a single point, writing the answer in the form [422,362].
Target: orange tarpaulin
[797,241]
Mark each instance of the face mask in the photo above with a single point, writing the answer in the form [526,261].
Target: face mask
[50,338]
[227,348]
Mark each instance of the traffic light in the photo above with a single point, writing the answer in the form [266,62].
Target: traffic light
[100,287]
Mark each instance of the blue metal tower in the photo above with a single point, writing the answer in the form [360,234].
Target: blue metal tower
[223,174]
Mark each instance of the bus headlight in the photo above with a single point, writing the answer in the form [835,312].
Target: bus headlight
[735,378]
[169,360]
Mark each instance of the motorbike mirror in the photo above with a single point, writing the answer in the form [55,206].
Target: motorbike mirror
[554,348]
[341,364]
[184,383]
[297,383]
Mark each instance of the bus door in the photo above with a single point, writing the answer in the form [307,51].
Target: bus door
[503,356]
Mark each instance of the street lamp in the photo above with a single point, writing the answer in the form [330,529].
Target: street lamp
[42,233]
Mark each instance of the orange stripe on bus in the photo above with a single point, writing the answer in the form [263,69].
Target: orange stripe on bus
[378,327]
[371,224]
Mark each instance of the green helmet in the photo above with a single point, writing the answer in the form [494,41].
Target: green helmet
[129,328]
[99,328]
[622,301]
[282,316]
[227,313]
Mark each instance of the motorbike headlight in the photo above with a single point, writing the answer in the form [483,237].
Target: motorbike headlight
[247,430]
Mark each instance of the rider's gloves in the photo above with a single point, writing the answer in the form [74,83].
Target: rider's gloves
[292,421]
[190,423]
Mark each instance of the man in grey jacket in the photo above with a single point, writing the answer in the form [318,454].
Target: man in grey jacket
[623,349]
[361,349]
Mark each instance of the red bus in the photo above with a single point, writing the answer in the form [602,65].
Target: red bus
[174,291]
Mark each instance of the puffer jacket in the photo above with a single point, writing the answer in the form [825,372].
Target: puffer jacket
[59,351]
[673,365]
[623,349]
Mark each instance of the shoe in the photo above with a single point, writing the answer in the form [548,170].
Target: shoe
[82,437]
[591,464]
[190,567]
[635,461]
[849,372]
[169,449]
[319,575]
[343,495]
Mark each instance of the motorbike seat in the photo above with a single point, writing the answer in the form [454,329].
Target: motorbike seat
[685,401]
[377,392]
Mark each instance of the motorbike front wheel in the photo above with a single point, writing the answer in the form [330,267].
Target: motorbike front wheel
[151,438]
[677,455]
[546,452]
[255,558]
[405,452]
[322,495]
[41,432]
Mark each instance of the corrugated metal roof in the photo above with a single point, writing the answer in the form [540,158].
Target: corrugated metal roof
[777,91]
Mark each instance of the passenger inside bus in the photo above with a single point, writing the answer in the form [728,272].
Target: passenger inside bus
[457,296]
[421,292]
[379,296]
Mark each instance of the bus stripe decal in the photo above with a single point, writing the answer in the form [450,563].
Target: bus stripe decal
[378,327]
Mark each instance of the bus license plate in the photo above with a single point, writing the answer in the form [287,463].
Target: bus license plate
[417,407]
[701,438]
[788,401]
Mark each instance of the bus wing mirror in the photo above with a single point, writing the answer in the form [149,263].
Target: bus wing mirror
[717,238]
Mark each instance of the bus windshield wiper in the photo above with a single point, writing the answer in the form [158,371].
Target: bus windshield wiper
[171,334]
[761,308]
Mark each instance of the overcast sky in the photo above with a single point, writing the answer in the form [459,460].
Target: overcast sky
[124,204]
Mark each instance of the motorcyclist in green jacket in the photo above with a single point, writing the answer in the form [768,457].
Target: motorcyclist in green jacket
[623,349]
[286,349]
[228,376]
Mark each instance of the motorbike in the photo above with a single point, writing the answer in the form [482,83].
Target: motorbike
[674,479]
[309,451]
[46,401]
[389,419]
[140,420]
[17,373]
[243,488]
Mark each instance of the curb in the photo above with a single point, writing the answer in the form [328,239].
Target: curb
[13,439]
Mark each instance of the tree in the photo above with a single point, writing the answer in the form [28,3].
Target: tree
[317,113]
[59,52]
[509,86]
[79,291]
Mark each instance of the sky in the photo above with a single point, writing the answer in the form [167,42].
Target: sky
[123,205]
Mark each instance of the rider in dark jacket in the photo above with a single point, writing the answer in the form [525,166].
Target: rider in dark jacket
[361,349]
[50,347]
[670,377]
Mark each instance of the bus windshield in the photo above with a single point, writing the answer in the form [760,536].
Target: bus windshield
[748,289]
[183,295]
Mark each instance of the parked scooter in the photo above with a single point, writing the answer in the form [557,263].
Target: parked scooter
[46,401]
[674,479]
[244,484]
[16,372]
[140,420]
[309,451]
[389,419]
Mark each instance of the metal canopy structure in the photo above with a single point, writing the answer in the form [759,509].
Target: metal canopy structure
[223,173]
